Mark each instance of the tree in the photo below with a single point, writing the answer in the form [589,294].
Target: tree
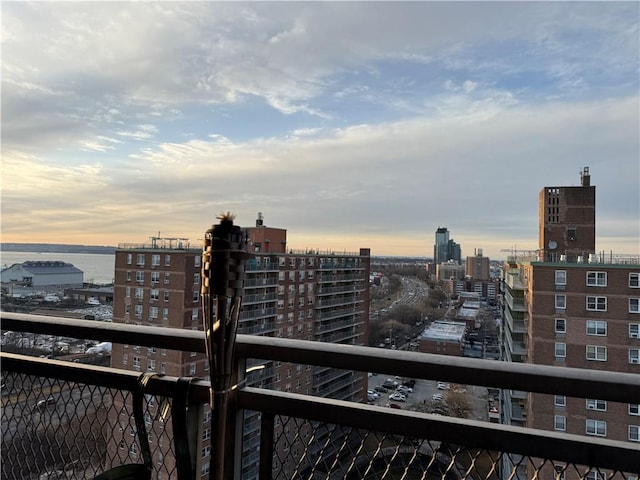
[458,402]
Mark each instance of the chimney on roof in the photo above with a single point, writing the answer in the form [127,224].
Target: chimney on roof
[259,221]
[585,178]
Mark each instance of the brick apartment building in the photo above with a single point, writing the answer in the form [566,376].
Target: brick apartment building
[318,296]
[568,306]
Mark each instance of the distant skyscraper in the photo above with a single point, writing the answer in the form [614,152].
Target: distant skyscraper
[477,267]
[445,249]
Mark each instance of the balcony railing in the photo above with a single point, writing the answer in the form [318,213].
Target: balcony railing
[82,432]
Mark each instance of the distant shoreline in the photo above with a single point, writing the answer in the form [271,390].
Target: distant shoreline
[56,248]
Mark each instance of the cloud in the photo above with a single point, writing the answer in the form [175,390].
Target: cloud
[335,119]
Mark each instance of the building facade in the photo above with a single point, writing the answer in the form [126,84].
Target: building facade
[568,306]
[309,295]
[43,274]
[444,248]
[477,266]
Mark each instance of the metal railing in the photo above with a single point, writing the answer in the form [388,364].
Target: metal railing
[300,436]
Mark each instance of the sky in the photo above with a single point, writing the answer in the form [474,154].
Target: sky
[365,124]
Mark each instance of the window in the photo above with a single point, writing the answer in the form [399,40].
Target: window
[196,279]
[127,308]
[206,451]
[192,369]
[153,312]
[634,280]
[634,305]
[634,330]
[163,368]
[194,314]
[136,363]
[561,277]
[139,293]
[596,327]
[155,277]
[597,279]
[196,261]
[196,296]
[596,427]
[155,294]
[151,365]
[166,295]
[559,471]
[561,301]
[167,260]
[598,304]
[206,434]
[165,313]
[140,261]
[559,422]
[128,275]
[634,409]
[597,352]
[634,433]
[138,311]
[167,278]
[561,350]
[127,292]
[560,400]
[140,277]
[125,359]
[561,325]
[594,475]
[155,260]
[130,259]
[599,405]
[204,470]
[634,355]
[133,449]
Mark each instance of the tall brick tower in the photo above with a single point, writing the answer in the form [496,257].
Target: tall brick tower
[567,228]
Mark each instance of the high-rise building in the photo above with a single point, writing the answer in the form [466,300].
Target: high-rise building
[309,295]
[477,266]
[569,307]
[445,248]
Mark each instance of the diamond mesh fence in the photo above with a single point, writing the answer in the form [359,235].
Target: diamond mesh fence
[58,429]
[308,450]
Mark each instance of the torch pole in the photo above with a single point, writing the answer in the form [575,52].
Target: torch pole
[224,256]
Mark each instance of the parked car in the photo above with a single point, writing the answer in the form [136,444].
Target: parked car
[43,404]
[373,393]
[404,390]
[409,383]
[443,386]
[437,397]
[398,397]
[380,389]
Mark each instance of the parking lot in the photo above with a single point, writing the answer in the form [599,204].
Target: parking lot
[423,393]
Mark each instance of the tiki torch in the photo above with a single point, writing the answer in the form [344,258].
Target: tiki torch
[223,261]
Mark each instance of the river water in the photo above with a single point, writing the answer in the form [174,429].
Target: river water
[97,268]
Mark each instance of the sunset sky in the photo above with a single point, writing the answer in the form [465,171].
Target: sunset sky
[366,124]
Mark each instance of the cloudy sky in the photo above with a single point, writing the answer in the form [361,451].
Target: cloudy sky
[352,125]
